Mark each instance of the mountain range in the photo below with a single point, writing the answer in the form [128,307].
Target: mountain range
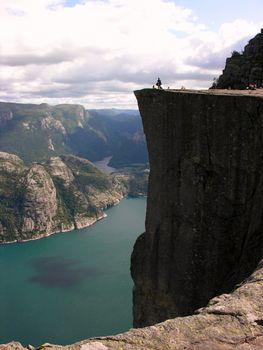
[47,180]
[38,132]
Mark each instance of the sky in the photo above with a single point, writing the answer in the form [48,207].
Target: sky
[97,52]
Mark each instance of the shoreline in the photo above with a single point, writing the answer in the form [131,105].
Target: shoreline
[103,216]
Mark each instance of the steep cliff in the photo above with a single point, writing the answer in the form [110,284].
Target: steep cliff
[39,203]
[244,68]
[205,206]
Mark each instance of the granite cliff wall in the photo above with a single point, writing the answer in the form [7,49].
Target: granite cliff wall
[205,204]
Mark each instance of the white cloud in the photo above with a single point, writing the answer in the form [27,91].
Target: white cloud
[99,51]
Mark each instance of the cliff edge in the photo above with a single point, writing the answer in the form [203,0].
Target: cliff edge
[205,205]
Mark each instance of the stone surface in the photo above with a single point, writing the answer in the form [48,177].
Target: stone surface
[40,203]
[10,163]
[205,206]
[244,68]
[59,169]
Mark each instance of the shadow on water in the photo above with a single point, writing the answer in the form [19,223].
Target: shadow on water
[60,272]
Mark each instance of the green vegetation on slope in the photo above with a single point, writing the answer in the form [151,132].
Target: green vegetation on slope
[135,178]
[37,132]
[60,194]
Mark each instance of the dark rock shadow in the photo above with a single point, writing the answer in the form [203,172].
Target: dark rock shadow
[61,272]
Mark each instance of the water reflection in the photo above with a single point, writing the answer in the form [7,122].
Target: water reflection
[58,271]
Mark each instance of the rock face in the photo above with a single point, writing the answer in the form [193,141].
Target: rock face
[244,68]
[205,206]
[40,203]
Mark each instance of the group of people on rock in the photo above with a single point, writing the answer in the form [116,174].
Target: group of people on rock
[251,87]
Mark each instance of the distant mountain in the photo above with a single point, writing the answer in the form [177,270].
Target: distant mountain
[126,139]
[38,132]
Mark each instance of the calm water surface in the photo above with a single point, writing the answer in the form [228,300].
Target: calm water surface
[71,286]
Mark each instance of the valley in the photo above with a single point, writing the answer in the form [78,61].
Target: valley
[37,132]
[47,182]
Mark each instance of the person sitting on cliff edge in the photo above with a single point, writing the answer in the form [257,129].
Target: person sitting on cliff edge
[159,83]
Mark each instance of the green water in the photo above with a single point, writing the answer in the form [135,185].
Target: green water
[71,286]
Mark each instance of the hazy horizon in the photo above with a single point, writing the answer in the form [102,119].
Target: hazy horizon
[97,52]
